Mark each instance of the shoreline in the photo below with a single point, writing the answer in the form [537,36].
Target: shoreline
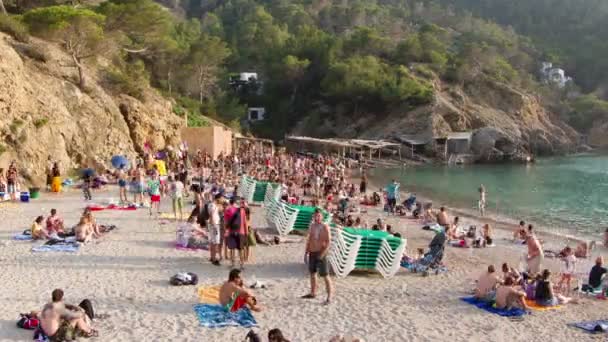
[502,223]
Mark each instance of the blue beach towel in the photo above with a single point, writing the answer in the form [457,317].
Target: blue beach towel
[490,307]
[590,326]
[72,247]
[22,237]
[216,316]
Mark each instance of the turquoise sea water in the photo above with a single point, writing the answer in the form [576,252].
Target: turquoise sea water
[562,194]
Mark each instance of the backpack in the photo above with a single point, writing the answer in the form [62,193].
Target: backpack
[235,221]
[204,215]
[28,322]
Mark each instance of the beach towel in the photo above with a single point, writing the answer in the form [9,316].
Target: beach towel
[590,326]
[489,307]
[216,316]
[532,305]
[209,294]
[71,247]
[22,237]
[95,207]
[67,245]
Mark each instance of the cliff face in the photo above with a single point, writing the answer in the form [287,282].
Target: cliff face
[510,121]
[43,113]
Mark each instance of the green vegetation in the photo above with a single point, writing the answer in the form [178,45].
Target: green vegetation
[13,26]
[38,123]
[14,126]
[2,149]
[572,33]
[361,57]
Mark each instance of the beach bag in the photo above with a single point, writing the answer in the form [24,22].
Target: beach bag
[472,232]
[87,306]
[28,322]
[182,278]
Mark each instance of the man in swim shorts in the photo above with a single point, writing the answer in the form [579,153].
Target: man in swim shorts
[317,248]
[234,296]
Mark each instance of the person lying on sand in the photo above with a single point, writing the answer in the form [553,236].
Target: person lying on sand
[486,285]
[508,296]
[60,323]
[234,296]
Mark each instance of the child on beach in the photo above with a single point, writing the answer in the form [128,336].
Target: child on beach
[154,191]
[568,268]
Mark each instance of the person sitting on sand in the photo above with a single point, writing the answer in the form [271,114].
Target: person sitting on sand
[84,229]
[61,322]
[507,296]
[442,218]
[583,250]
[234,296]
[54,223]
[509,271]
[520,232]
[486,285]
[596,276]
[544,294]
[38,232]
[486,231]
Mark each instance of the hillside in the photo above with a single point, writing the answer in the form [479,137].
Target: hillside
[44,113]
[325,67]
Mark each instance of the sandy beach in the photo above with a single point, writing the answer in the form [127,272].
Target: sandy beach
[126,275]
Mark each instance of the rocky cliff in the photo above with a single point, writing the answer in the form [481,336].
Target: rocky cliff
[507,123]
[44,113]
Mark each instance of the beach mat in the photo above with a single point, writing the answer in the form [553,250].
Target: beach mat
[216,316]
[589,326]
[57,248]
[209,294]
[111,207]
[22,237]
[490,308]
[532,305]
[182,248]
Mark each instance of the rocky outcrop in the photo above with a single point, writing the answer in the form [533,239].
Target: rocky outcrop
[598,135]
[43,113]
[508,123]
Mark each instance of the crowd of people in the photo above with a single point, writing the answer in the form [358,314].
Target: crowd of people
[222,221]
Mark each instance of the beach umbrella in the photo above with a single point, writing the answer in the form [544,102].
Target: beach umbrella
[120,162]
[88,172]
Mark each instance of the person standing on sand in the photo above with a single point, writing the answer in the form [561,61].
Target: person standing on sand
[215,246]
[482,200]
[535,252]
[122,186]
[11,180]
[317,248]
[49,173]
[363,185]
[154,191]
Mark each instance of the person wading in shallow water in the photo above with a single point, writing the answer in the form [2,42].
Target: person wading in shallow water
[317,248]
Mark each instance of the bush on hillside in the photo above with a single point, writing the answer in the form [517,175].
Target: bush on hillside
[14,27]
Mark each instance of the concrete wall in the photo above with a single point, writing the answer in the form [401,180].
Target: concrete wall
[213,139]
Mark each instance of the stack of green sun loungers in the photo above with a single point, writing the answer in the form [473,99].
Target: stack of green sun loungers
[354,248]
[304,218]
